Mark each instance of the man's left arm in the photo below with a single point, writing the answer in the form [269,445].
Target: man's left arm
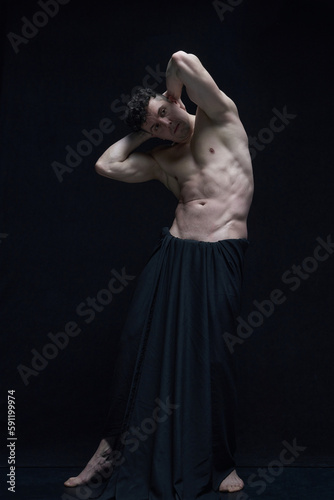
[187,70]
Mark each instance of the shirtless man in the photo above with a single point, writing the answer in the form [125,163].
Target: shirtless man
[207,167]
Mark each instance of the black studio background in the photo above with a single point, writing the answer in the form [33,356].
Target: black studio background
[61,240]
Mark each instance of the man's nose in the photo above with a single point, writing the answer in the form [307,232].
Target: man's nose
[165,121]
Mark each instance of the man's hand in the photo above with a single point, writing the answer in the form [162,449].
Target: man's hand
[172,98]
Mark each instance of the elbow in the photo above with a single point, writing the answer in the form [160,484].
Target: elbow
[102,168]
[108,169]
[182,60]
[178,54]
[179,57]
[99,167]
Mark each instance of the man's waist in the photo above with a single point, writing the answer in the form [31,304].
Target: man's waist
[199,222]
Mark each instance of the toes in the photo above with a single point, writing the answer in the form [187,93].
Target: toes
[231,487]
[235,487]
[69,482]
[72,482]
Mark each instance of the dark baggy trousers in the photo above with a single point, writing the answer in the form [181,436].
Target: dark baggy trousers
[173,390]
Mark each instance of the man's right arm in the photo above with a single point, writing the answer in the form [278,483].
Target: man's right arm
[122,163]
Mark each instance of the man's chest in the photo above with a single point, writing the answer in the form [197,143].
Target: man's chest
[205,152]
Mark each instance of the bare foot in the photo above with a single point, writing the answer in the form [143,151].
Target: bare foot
[99,461]
[232,483]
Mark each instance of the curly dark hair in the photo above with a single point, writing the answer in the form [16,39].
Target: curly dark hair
[137,107]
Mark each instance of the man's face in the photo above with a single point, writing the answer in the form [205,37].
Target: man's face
[167,120]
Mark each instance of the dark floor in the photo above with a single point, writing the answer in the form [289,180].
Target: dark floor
[290,483]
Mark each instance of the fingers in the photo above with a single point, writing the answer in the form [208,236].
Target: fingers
[182,106]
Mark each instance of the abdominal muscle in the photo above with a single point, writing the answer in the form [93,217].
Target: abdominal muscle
[214,184]
[207,220]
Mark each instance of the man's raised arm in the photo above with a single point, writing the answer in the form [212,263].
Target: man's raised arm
[122,163]
[186,69]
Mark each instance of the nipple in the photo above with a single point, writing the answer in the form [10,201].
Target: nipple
[211,150]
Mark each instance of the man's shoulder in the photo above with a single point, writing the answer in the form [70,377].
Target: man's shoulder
[220,117]
[227,126]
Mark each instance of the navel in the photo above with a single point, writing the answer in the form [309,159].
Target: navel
[211,150]
[176,177]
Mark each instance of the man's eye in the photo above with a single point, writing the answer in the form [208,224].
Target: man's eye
[156,126]
[163,111]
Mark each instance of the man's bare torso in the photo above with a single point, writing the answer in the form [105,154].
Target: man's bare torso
[212,178]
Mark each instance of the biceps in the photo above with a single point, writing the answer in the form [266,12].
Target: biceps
[138,167]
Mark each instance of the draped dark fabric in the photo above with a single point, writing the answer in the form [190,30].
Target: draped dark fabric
[173,392]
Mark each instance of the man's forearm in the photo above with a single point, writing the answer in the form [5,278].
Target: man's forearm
[173,83]
[120,150]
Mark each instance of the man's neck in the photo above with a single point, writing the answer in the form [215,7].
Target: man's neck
[187,140]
